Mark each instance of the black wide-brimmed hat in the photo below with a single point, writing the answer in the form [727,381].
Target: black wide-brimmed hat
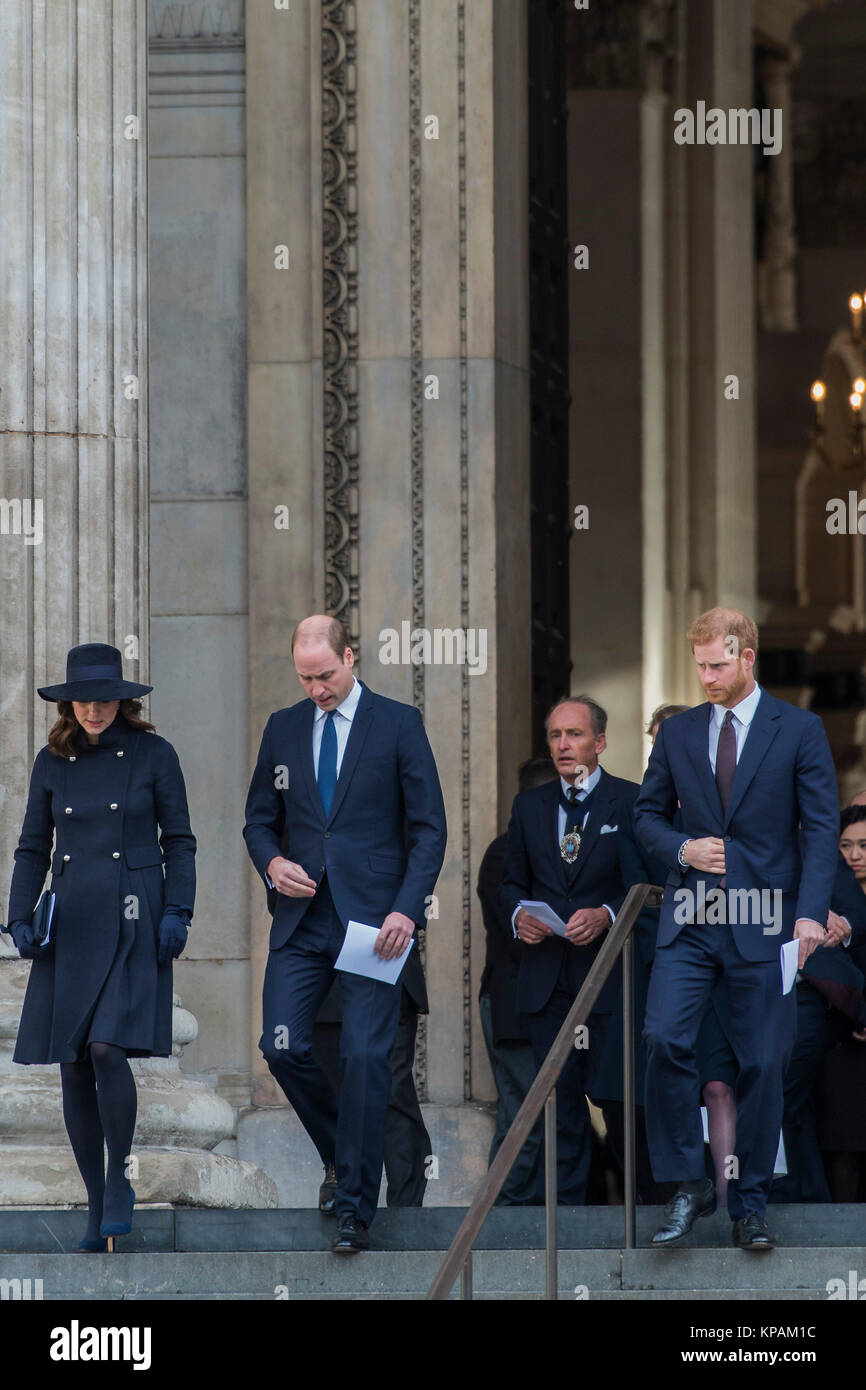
[94,672]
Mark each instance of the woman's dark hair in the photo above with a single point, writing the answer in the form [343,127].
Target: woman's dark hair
[850,816]
[61,737]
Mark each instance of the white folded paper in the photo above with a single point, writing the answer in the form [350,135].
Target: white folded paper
[789,955]
[357,956]
[544,913]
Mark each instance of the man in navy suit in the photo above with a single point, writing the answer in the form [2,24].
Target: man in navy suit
[349,778]
[562,849]
[759,814]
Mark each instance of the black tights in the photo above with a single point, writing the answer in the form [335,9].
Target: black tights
[99,1109]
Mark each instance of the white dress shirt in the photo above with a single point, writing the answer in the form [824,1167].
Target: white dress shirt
[343,716]
[583,791]
[744,713]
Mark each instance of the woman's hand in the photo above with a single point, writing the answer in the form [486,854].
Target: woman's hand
[23,935]
[173,931]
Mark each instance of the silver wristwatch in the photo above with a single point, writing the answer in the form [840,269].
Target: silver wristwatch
[683,864]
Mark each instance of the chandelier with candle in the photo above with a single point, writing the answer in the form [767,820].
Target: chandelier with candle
[846,352]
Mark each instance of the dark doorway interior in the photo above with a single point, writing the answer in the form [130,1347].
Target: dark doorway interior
[549,396]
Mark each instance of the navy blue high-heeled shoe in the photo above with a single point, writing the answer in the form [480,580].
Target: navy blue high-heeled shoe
[121,1227]
[92,1247]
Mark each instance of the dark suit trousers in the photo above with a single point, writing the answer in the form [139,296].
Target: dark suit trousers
[512,1062]
[351,1132]
[684,974]
[818,1028]
[573,1125]
[407,1143]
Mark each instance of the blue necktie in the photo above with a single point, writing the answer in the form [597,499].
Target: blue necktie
[327,778]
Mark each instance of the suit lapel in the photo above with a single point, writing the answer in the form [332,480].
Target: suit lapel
[361,722]
[548,827]
[762,731]
[698,746]
[605,799]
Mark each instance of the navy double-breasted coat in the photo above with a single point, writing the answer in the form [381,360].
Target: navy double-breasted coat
[123,850]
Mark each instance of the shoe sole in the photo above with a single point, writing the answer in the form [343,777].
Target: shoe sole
[347,1249]
[753,1249]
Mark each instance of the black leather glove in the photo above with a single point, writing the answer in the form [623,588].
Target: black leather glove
[23,935]
[173,930]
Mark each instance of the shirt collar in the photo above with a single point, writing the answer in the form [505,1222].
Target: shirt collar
[348,706]
[745,710]
[586,786]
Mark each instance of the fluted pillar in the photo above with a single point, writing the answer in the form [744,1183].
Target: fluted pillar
[74,509]
[73,373]
[73,358]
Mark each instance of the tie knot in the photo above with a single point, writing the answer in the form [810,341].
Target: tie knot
[729,715]
[572,793]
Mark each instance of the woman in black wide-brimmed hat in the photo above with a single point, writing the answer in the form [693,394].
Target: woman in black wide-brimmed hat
[112,793]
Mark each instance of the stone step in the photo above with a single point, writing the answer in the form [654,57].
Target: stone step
[793,1274]
[163,1228]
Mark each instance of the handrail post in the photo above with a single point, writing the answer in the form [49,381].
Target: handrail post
[542,1096]
[551,1197]
[628,1097]
[466,1277]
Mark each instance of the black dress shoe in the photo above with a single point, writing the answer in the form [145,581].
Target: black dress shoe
[328,1191]
[351,1237]
[683,1210]
[752,1233]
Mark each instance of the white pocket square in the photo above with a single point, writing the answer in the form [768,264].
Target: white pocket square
[608,829]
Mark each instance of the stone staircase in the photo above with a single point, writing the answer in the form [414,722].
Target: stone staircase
[189,1253]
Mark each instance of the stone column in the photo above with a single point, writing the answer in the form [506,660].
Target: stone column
[73,356]
[389,371]
[73,363]
[721,335]
[777,281]
[444,434]
[619,118]
[284,373]
[74,440]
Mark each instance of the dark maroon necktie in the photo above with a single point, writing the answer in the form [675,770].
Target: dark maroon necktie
[726,764]
[726,758]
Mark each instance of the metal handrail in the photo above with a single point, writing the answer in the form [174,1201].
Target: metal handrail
[542,1095]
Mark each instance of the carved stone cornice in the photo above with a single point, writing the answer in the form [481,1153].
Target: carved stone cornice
[185,25]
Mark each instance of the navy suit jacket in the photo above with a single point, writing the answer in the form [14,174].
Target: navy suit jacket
[534,869]
[780,827]
[383,842]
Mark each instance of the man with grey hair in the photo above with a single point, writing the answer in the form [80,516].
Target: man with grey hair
[563,850]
